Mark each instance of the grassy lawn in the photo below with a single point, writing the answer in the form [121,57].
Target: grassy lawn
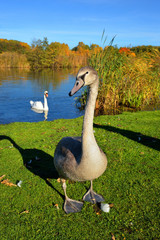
[131,182]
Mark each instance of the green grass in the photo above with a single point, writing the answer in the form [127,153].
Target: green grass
[131,182]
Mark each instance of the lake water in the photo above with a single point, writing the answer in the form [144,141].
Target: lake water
[18,87]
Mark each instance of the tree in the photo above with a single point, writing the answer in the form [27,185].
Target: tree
[13,46]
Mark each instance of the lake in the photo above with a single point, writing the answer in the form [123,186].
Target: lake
[19,86]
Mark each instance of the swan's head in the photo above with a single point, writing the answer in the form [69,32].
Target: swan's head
[85,77]
[46,93]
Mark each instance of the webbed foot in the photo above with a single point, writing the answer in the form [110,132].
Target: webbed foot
[72,206]
[93,197]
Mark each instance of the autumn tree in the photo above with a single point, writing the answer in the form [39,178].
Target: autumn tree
[57,54]
[95,49]
[13,46]
[37,56]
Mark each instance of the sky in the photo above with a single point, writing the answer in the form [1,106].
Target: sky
[133,22]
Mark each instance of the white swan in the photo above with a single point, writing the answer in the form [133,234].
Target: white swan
[80,158]
[39,105]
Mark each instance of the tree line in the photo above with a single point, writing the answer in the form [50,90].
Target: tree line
[40,54]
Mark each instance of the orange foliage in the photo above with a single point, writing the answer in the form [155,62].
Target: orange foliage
[58,48]
[95,49]
[25,45]
[127,51]
[82,51]
[4,40]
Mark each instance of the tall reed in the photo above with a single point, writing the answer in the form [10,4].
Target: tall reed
[13,60]
[126,79]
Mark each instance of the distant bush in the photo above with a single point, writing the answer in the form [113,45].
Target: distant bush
[144,49]
[13,60]
[13,46]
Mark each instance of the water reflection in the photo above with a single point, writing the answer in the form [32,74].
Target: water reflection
[41,111]
[43,78]
[13,74]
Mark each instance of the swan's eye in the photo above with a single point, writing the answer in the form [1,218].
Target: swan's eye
[77,83]
[86,72]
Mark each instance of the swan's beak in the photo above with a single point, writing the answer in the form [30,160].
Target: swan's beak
[78,85]
[46,94]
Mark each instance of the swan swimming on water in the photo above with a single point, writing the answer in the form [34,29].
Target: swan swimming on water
[80,158]
[39,105]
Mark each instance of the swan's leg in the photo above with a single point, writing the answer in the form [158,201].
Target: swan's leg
[70,205]
[92,196]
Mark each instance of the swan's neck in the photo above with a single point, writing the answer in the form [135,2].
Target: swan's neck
[45,103]
[88,139]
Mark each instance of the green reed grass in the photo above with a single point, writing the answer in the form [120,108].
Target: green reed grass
[126,80]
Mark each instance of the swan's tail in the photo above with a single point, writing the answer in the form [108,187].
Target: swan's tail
[31,102]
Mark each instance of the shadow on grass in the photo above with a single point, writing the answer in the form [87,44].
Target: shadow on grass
[135,136]
[37,162]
